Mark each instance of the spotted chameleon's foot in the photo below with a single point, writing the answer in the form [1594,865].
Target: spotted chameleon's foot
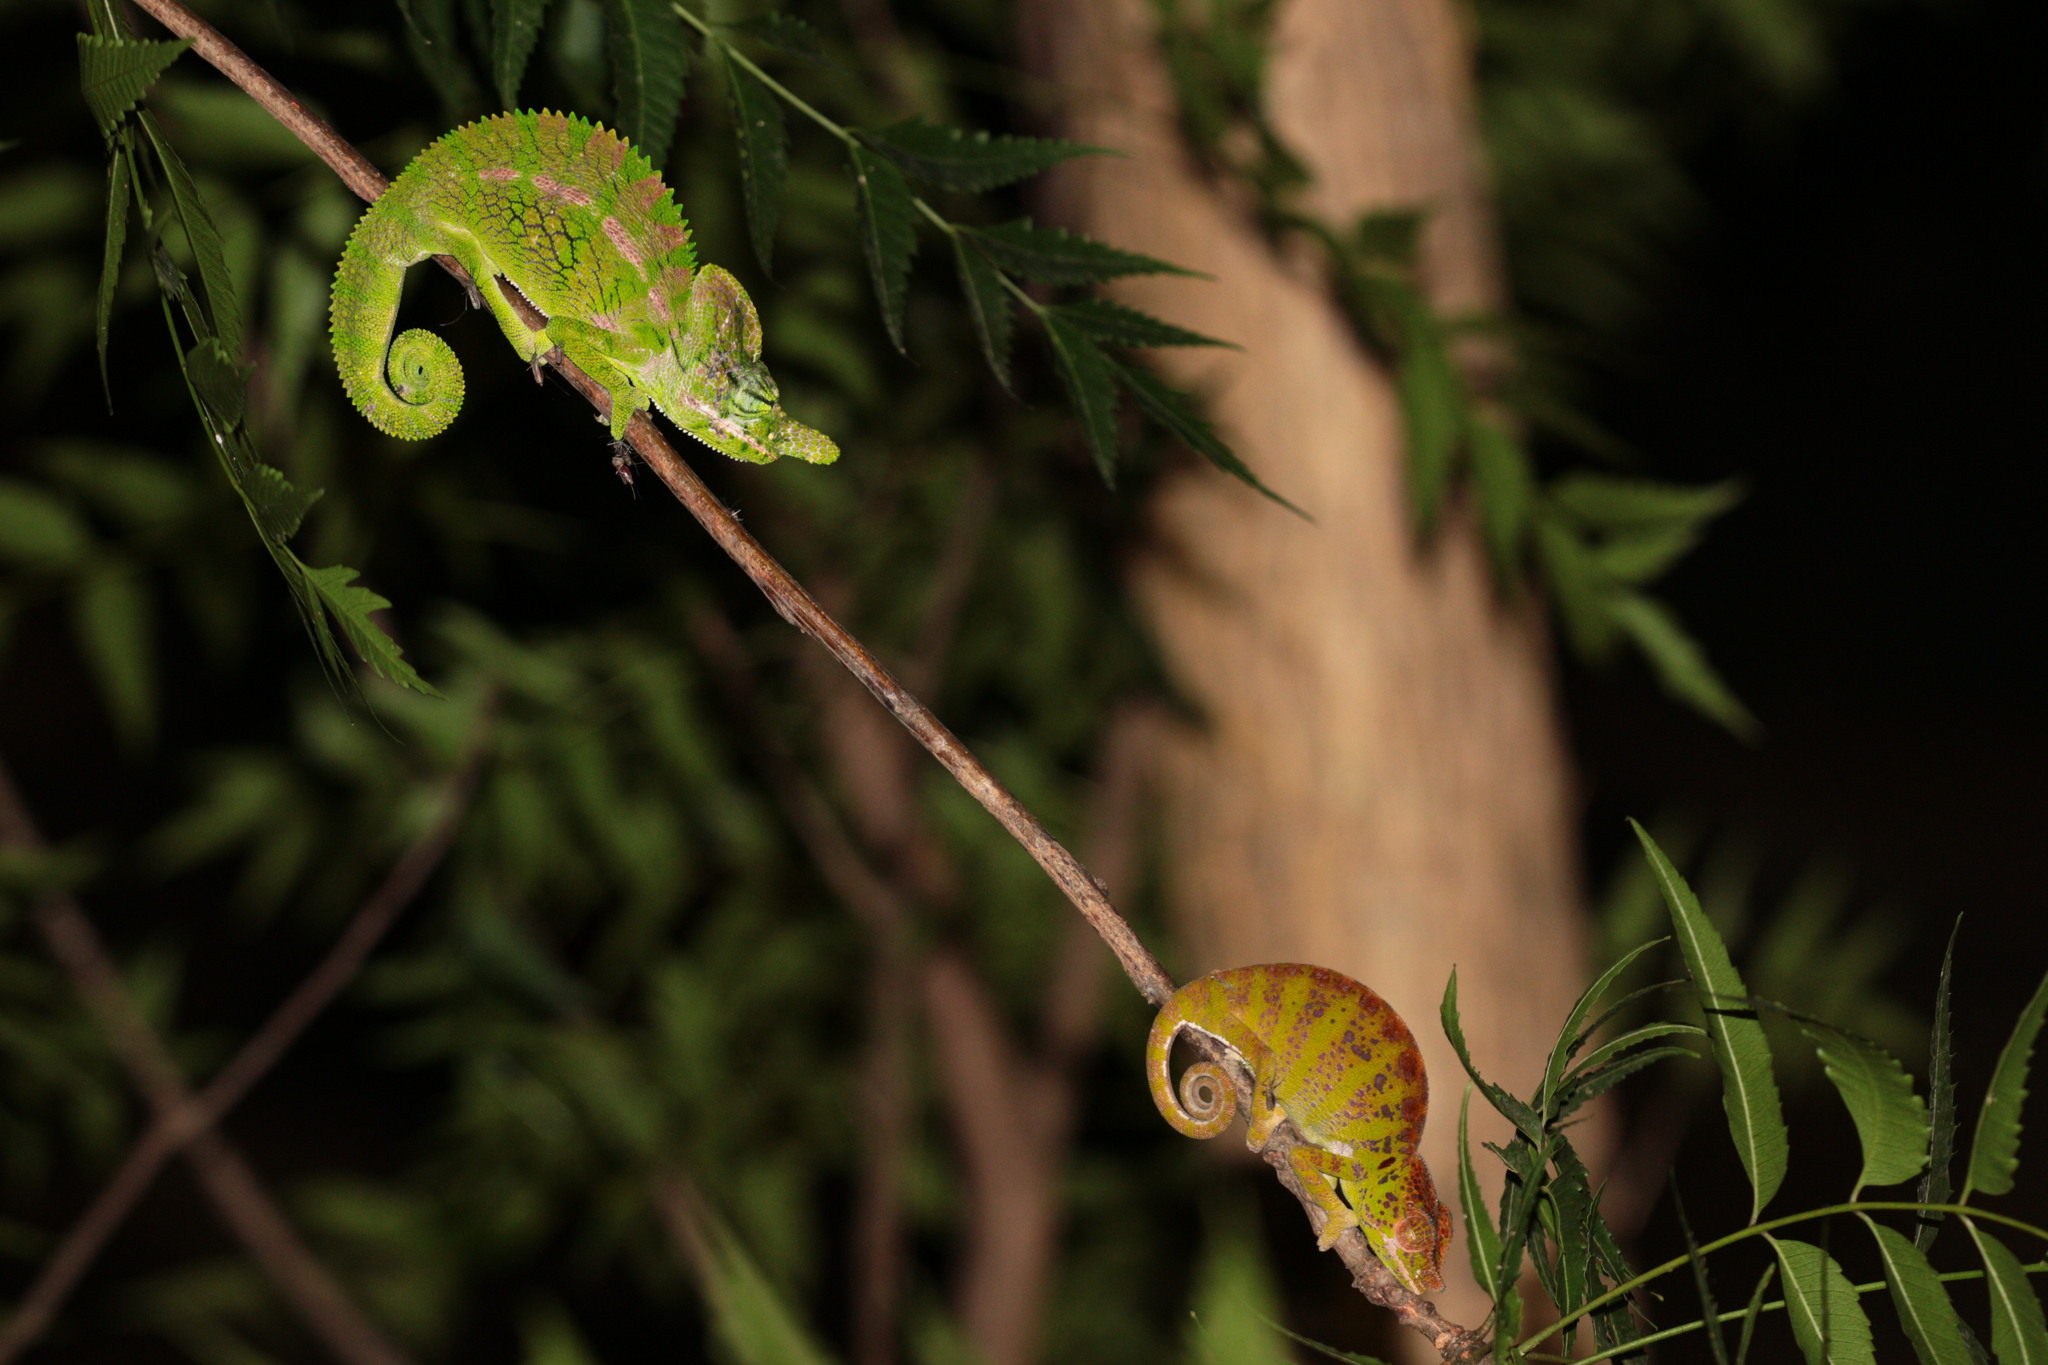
[1332,1230]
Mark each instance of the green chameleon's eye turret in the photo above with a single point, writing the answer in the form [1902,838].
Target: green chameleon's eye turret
[753,391]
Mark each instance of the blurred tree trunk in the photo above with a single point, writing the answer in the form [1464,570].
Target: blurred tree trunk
[1380,781]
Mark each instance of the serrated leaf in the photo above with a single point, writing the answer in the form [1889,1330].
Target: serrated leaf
[1523,1116]
[2019,1336]
[1569,1037]
[222,311]
[112,619]
[1710,1312]
[114,73]
[351,604]
[1506,487]
[276,505]
[1995,1150]
[1605,500]
[1754,1311]
[1615,1046]
[1641,556]
[1935,1187]
[787,34]
[1177,412]
[1891,1121]
[515,28]
[1827,1320]
[221,381]
[119,187]
[1056,256]
[649,61]
[1749,1092]
[39,528]
[970,163]
[1482,1238]
[1584,1087]
[1086,373]
[1121,326]
[888,234]
[1925,1312]
[764,155]
[988,303]
[1679,662]
[1581,590]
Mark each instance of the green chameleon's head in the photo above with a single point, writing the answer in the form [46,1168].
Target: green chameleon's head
[1412,1239]
[751,424]
[712,384]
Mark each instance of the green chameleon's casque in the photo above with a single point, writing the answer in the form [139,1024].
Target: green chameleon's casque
[1331,1055]
[577,221]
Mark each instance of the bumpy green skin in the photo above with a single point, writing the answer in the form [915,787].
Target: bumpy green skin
[1332,1056]
[582,226]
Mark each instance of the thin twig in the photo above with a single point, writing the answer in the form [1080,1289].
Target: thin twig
[172,1132]
[796,606]
[237,1195]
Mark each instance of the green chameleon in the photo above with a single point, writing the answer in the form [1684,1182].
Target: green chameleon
[575,220]
[1332,1056]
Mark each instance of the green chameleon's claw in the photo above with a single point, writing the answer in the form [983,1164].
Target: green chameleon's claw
[582,226]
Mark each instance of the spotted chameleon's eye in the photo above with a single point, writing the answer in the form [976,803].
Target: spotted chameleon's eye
[753,392]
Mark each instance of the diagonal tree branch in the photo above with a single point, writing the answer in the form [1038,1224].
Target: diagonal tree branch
[237,1195]
[796,606]
[173,1132]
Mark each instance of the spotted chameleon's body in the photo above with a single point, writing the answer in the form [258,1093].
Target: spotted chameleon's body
[1332,1056]
[577,221]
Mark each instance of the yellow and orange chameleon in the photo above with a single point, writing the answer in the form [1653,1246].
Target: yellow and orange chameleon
[1331,1055]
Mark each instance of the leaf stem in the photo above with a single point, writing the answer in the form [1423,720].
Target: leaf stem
[1758,1229]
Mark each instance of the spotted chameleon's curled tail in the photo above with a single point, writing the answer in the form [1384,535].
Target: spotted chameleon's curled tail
[1207,1100]
[410,388]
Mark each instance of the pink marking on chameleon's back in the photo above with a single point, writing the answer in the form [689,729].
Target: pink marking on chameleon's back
[608,321]
[605,153]
[569,194]
[498,173]
[643,194]
[657,304]
[623,240]
[668,236]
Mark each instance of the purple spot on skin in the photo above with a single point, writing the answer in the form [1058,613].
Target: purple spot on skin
[498,173]
[623,240]
[555,189]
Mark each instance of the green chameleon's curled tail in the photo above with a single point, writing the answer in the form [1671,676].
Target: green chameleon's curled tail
[410,388]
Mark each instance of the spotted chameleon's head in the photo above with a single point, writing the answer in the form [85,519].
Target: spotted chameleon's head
[1413,1245]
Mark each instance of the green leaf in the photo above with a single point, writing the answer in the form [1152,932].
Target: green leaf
[1615,1046]
[1604,500]
[1120,326]
[1585,1086]
[1754,1311]
[1176,412]
[787,34]
[120,185]
[888,234]
[1641,556]
[2018,1334]
[750,1319]
[38,528]
[1994,1153]
[1827,1320]
[1679,663]
[221,381]
[649,61]
[988,303]
[1710,1312]
[115,73]
[113,622]
[1086,371]
[1234,1298]
[764,155]
[1524,1117]
[207,252]
[1482,1238]
[1506,486]
[1569,1037]
[351,605]
[1941,1099]
[515,28]
[1749,1092]
[1055,256]
[1923,1305]
[276,504]
[1433,407]
[971,163]
[1891,1121]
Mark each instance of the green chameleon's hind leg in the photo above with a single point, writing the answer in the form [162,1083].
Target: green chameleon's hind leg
[530,343]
